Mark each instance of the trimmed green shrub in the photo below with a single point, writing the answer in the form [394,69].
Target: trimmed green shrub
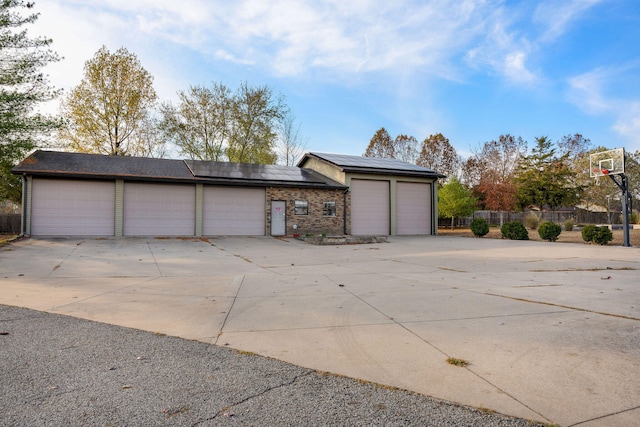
[549,231]
[532,221]
[602,235]
[479,227]
[634,218]
[598,235]
[587,233]
[568,224]
[514,231]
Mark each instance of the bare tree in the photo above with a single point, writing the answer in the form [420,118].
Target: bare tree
[406,148]
[491,172]
[291,143]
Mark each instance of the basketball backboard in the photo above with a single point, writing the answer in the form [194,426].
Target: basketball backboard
[610,162]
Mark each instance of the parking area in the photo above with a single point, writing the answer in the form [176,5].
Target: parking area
[551,331]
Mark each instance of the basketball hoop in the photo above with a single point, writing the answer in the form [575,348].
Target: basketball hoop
[604,171]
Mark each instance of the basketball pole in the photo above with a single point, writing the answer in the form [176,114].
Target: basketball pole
[623,184]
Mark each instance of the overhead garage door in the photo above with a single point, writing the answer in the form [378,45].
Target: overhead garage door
[229,211]
[159,209]
[413,208]
[369,207]
[72,208]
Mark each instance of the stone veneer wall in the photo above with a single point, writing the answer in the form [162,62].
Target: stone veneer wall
[314,222]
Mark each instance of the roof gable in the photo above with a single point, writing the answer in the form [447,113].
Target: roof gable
[373,165]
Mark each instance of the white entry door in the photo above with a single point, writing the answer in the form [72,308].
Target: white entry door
[278,218]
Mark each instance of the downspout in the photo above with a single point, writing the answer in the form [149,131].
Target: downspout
[344,211]
[23,220]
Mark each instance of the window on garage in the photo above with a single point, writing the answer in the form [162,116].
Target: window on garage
[301,207]
[329,209]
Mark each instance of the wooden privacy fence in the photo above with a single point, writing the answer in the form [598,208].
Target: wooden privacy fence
[10,223]
[579,216]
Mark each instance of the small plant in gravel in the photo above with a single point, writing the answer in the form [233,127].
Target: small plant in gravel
[532,220]
[549,231]
[514,231]
[479,227]
[569,224]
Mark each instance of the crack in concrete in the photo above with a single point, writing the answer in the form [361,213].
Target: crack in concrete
[254,396]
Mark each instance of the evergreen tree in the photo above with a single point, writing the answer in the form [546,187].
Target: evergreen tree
[545,179]
[23,87]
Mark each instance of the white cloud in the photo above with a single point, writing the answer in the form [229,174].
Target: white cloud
[628,124]
[557,16]
[291,37]
[586,91]
[591,93]
[502,50]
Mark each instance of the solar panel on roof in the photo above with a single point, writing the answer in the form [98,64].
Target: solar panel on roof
[251,172]
[370,162]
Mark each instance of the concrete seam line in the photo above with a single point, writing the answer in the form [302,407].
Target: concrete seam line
[57,266]
[233,303]
[154,259]
[605,416]
[619,316]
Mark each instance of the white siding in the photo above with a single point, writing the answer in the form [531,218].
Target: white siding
[413,208]
[233,211]
[159,209]
[369,207]
[72,208]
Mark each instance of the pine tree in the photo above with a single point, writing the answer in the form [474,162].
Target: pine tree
[23,87]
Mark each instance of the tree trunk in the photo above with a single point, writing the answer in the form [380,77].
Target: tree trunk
[452,222]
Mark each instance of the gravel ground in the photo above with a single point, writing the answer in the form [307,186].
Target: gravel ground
[58,370]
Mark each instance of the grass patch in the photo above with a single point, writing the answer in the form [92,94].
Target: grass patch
[458,362]
[246,353]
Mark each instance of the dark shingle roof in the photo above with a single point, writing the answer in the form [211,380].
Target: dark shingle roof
[374,165]
[94,166]
[81,165]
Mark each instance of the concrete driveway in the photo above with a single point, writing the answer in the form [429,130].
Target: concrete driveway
[551,331]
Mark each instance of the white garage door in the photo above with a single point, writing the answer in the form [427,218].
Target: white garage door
[159,209]
[229,211]
[413,208]
[369,207]
[72,208]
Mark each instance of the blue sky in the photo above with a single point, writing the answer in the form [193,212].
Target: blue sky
[470,69]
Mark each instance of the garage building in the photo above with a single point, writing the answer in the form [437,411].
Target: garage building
[388,196]
[76,194]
